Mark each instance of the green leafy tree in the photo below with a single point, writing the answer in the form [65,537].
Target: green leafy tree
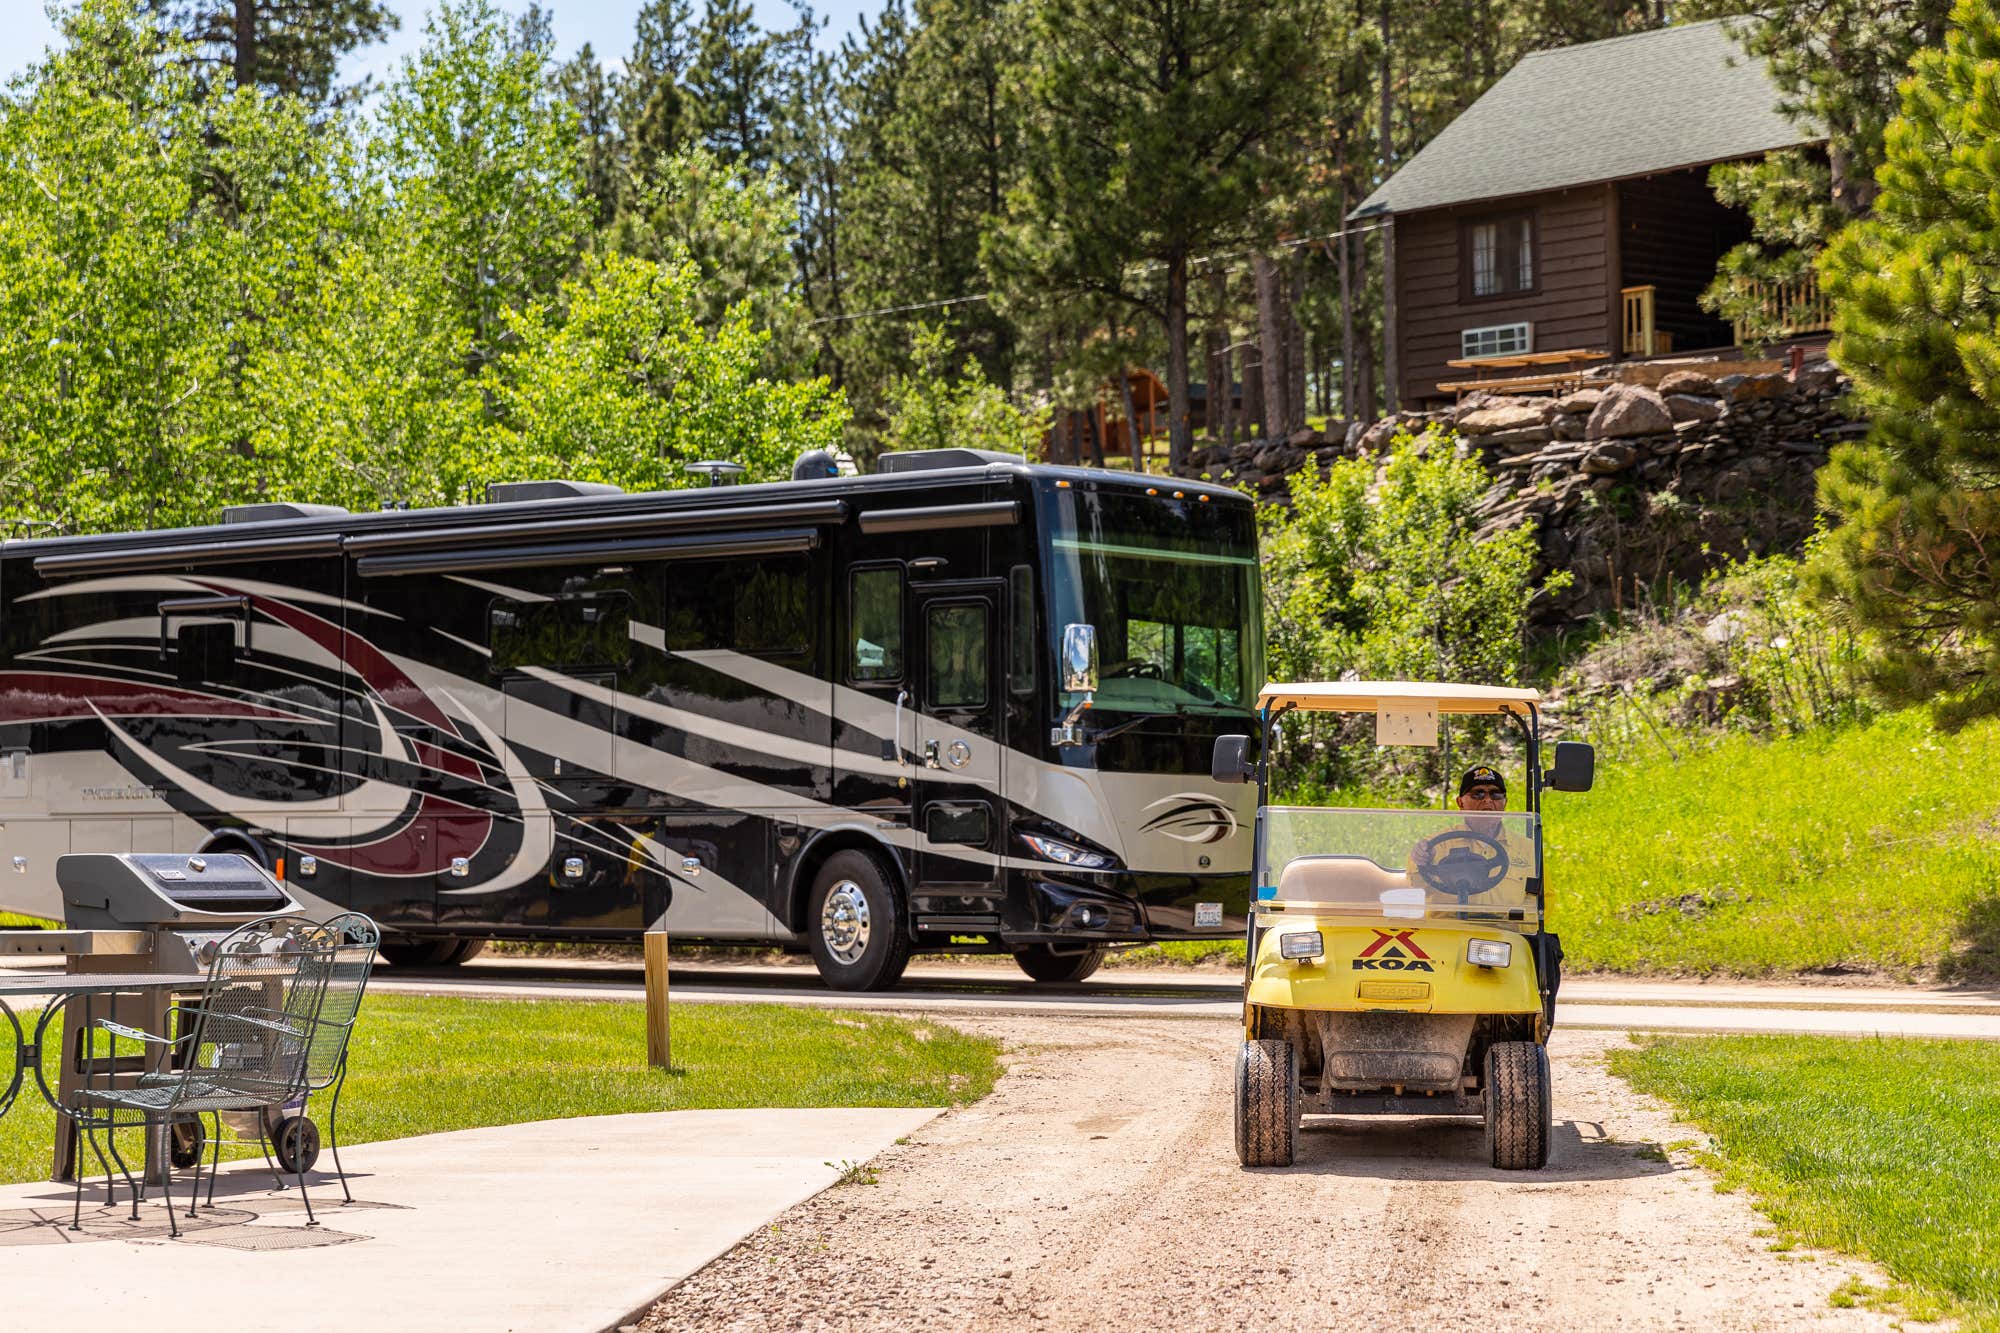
[1917,323]
[136,297]
[932,409]
[624,378]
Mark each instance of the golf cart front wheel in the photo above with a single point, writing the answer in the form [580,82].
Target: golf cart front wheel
[1518,1105]
[295,1142]
[1267,1103]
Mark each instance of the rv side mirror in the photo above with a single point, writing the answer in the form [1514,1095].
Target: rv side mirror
[1232,760]
[1079,658]
[1575,770]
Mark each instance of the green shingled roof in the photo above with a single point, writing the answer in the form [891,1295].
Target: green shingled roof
[1603,111]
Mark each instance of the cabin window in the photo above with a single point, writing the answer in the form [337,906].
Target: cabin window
[563,633]
[1500,253]
[761,607]
[1021,631]
[876,615]
[955,643]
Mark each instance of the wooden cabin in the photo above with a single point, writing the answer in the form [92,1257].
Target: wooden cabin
[1565,218]
[1098,433]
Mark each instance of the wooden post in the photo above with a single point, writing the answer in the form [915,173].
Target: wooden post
[659,1031]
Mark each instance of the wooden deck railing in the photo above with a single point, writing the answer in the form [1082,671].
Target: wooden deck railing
[1784,309]
[1640,337]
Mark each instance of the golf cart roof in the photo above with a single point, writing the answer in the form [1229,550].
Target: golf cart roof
[1370,696]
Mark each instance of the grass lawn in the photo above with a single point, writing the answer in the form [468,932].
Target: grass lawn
[1881,1148]
[1876,848]
[423,1065]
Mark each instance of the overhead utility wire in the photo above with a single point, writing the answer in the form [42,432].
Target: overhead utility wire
[987,296]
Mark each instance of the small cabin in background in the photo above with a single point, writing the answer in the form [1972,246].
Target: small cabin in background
[1565,218]
[1087,435]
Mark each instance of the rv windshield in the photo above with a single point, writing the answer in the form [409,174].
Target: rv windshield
[1401,863]
[1172,588]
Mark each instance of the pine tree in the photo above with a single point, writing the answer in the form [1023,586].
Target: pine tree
[594,97]
[1142,141]
[1836,64]
[283,46]
[1918,328]
[733,84]
[652,102]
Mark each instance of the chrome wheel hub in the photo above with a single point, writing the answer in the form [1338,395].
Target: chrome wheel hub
[843,923]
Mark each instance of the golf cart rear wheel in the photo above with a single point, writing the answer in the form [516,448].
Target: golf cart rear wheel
[855,924]
[1267,1103]
[1046,962]
[295,1143]
[1517,1105]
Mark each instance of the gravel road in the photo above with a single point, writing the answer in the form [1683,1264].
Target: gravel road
[1097,1188]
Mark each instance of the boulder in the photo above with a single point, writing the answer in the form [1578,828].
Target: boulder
[1500,415]
[1583,400]
[1687,381]
[1627,410]
[1302,437]
[1523,441]
[1609,458]
[1689,407]
[1751,388]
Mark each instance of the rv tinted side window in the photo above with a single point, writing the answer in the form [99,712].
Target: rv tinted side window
[591,631]
[1021,629]
[735,604]
[876,620]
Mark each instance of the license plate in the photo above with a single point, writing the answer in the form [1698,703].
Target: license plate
[1208,914]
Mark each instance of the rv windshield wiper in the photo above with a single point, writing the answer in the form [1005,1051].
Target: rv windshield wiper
[1131,722]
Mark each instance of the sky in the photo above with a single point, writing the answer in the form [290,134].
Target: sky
[25,31]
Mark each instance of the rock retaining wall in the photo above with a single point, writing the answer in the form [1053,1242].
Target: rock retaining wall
[1629,485]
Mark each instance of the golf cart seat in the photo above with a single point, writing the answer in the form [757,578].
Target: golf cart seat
[1337,879]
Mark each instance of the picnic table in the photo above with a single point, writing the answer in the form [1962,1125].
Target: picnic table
[62,988]
[1554,372]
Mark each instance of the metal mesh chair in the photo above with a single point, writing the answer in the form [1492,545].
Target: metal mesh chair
[245,1046]
[356,942]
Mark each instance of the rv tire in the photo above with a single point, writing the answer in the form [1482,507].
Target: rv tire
[855,924]
[424,950]
[1047,962]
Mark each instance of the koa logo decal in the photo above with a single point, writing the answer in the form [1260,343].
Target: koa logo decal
[1393,951]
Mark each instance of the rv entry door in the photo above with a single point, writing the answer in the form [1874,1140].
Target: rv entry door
[956,808]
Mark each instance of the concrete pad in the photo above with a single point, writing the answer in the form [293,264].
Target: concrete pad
[553,1225]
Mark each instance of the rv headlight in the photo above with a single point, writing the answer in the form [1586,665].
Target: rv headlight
[1066,853]
[1301,944]
[1489,953]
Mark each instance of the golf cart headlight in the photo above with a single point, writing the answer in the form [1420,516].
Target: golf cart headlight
[1066,853]
[1489,953]
[1301,944]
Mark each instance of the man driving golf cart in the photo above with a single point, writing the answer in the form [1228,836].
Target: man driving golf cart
[1397,958]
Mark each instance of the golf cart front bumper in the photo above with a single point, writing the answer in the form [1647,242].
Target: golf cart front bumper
[1389,965]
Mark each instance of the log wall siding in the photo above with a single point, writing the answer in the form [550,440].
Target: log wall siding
[1671,232]
[1574,302]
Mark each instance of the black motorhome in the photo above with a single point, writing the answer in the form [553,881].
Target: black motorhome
[963,702]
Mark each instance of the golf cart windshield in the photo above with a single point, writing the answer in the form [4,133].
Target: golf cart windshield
[1464,865]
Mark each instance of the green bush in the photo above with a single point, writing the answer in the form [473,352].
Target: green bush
[1380,572]
[1749,650]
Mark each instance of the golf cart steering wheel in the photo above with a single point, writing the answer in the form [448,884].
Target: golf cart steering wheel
[1463,864]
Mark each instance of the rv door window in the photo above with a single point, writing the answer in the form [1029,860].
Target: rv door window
[876,617]
[956,647]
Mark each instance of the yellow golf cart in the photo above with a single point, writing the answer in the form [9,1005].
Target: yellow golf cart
[1397,961]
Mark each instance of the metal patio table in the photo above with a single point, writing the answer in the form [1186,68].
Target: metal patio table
[62,988]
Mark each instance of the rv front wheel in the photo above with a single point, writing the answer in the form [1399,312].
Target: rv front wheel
[854,923]
[1045,962]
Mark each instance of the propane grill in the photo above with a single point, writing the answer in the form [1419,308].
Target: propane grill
[184,905]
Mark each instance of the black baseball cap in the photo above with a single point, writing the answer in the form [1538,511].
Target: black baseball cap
[1481,773]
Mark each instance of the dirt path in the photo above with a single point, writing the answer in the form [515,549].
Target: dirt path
[1097,1187]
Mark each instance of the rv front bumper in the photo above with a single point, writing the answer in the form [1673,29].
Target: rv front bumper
[1125,907]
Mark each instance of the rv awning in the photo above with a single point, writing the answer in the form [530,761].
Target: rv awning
[1369,696]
